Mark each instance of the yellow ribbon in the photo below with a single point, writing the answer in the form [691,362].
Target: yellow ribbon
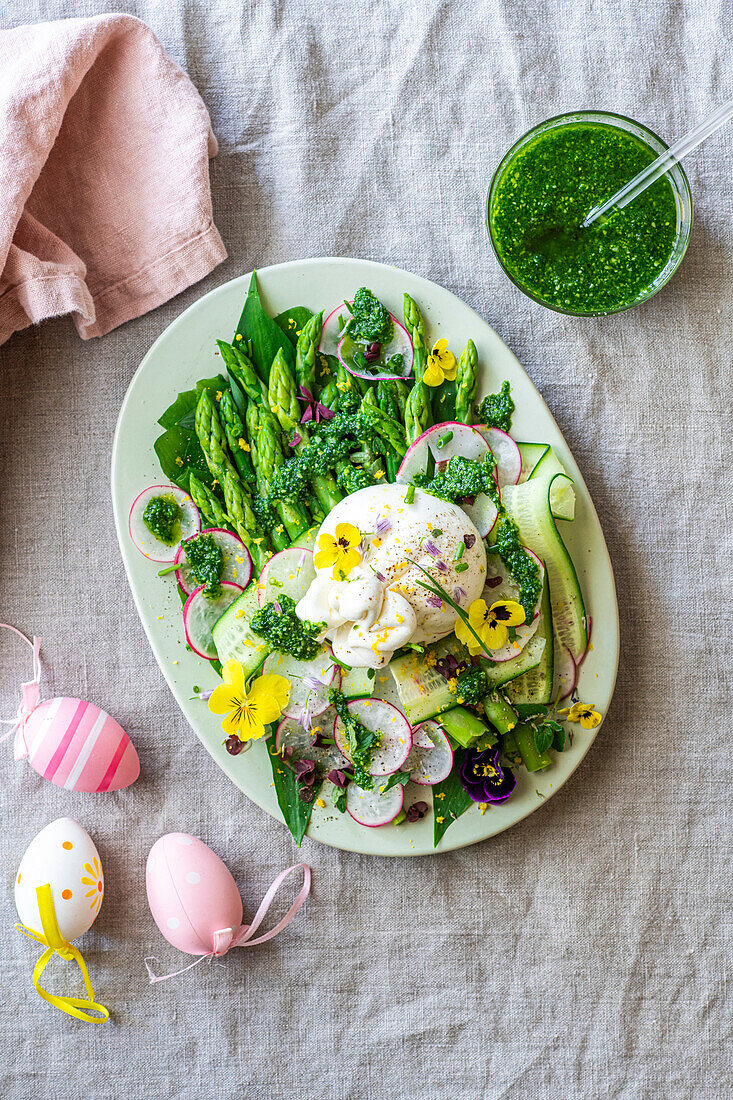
[55,943]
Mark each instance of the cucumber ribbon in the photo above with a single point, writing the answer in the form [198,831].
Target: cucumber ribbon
[30,697]
[226,938]
[55,944]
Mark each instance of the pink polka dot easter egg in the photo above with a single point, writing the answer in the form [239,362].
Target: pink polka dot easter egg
[192,895]
[78,746]
[196,904]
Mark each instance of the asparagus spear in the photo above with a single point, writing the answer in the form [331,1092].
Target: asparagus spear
[305,352]
[267,456]
[389,429]
[418,415]
[210,433]
[208,504]
[283,402]
[392,398]
[237,440]
[466,383]
[243,518]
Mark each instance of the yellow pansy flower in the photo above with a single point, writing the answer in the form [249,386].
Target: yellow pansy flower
[246,713]
[441,365]
[583,713]
[342,552]
[490,623]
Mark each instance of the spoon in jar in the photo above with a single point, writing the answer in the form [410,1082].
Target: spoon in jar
[557,238]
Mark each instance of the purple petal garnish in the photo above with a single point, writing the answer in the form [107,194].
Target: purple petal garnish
[297,438]
[416,811]
[305,772]
[380,576]
[442,567]
[338,777]
[287,752]
[323,411]
[383,525]
[435,601]
[307,794]
[469,500]
[468,541]
[205,694]
[313,683]
[304,394]
[493,582]
[432,549]
[459,593]
[277,606]
[233,745]
[307,415]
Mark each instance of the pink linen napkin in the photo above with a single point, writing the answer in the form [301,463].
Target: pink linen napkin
[105,205]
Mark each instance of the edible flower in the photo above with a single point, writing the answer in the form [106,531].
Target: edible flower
[314,410]
[482,777]
[416,812]
[583,713]
[441,365]
[491,624]
[342,552]
[248,712]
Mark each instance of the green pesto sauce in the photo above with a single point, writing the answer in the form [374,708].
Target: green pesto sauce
[522,568]
[462,480]
[371,320]
[282,628]
[361,741]
[495,411]
[206,562]
[162,517]
[550,185]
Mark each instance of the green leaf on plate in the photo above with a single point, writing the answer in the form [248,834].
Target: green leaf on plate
[295,811]
[543,738]
[449,799]
[292,320]
[179,414]
[395,780]
[266,336]
[179,455]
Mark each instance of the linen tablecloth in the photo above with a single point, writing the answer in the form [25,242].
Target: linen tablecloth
[583,954]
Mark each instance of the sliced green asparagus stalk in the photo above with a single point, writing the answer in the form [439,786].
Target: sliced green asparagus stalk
[236,438]
[242,516]
[389,430]
[305,353]
[283,403]
[210,433]
[418,414]
[392,398]
[267,456]
[208,504]
[466,383]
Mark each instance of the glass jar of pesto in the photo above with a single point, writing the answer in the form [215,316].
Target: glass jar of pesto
[546,184]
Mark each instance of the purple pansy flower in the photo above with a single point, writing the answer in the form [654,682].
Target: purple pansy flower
[482,777]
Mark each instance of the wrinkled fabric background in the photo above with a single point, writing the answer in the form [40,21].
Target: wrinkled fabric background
[583,954]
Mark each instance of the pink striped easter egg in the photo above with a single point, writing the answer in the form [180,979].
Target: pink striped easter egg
[78,746]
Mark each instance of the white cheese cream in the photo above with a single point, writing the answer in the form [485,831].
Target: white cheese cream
[381,605]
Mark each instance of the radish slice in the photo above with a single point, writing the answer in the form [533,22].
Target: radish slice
[288,573]
[237,564]
[332,343]
[309,683]
[144,540]
[465,441]
[566,672]
[500,586]
[200,614]
[372,808]
[290,734]
[383,718]
[431,758]
[507,454]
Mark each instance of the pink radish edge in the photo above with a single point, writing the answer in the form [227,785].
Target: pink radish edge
[185,503]
[187,611]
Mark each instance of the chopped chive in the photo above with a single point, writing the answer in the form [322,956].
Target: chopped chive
[410,494]
[445,438]
[459,551]
[169,569]
[462,567]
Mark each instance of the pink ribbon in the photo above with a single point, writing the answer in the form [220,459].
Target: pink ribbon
[226,938]
[30,696]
